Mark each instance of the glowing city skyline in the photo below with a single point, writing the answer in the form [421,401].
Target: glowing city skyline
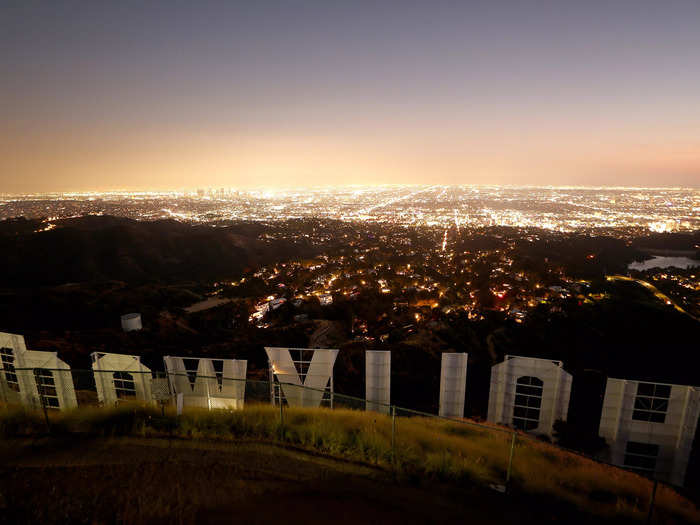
[628,210]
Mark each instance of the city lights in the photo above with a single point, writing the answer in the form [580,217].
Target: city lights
[563,209]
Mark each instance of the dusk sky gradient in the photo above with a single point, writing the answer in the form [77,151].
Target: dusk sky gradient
[167,95]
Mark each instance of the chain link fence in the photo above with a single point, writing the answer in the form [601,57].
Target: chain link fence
[409,442]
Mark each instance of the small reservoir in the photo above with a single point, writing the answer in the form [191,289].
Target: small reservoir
[664,262]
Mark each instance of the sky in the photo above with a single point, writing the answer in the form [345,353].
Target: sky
[168,95]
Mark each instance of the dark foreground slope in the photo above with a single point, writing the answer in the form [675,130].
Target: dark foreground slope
[156,481]
[314,466]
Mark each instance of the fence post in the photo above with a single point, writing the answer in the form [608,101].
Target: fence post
[651,501]
[510,459]
[281,420]
[393,435]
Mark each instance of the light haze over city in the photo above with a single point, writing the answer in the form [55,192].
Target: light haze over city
[164,96]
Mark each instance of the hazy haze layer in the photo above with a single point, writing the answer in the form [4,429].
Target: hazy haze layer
[166,95]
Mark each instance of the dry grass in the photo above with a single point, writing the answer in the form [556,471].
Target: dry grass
[425,448]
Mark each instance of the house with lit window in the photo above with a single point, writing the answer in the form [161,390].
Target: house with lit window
[529,394]
[650,427]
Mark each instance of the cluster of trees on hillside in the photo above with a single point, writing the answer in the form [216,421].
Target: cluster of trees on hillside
[102,248]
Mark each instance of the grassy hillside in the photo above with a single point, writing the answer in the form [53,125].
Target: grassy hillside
[91,480]
[431,450]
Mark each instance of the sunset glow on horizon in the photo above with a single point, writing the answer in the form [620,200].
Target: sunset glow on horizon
[127,96]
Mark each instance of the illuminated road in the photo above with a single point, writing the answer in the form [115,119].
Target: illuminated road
[653,289]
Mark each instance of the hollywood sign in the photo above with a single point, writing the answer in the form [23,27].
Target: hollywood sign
[650,427]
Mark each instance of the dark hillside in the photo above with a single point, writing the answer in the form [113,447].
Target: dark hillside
[100,248]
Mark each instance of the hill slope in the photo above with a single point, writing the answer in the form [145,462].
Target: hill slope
[97,248]
[452,464]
